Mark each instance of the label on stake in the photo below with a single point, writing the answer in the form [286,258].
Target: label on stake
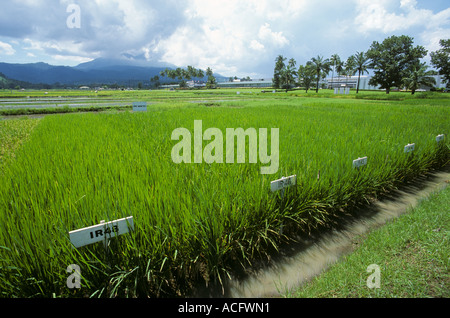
[359,162]
[101,232]
[140,107]
[410,147]
[283,183]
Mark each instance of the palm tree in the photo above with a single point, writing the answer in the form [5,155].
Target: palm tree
[361,66]
[419,76]
[306,74]
[322,67]
[349,68]
[287,75]
[279,65]
[292,62]
[339,68]
[335,60]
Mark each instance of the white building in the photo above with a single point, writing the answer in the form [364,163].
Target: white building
[265,82]
[352,82]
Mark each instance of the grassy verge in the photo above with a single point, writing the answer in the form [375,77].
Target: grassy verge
[412,253]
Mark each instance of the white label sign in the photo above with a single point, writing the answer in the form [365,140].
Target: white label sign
[359,162]
[101,232]
[439,138]
[283,183]
[140,107]
[410,147]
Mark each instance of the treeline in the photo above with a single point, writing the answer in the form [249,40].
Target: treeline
[395,62]
[9,83]
[184,75]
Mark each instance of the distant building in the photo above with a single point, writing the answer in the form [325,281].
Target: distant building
[170,86]
[195,84]
[330,82]
[349,81]
[352,82]
[440,81]
[264,82]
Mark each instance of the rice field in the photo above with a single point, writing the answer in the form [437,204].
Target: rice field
[197,223]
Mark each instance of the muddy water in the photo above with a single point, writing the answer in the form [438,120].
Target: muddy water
[316,255]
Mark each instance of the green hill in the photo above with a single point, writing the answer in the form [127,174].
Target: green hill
[9,83]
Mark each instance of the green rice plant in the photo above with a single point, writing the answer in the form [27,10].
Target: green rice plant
[194,223]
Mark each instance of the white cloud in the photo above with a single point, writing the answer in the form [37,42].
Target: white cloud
[267,35]
[430,39]
[408,4]
[6,49]
[255,45]
[68,58]
[381,16]
[424,25]
[226,35]
[233,37]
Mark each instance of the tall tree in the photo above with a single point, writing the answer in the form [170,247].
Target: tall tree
[287,75]
[155,81]
[306,75]
[211,82]
[339,68]
[349,68]
[334,61]
[391,59]
[361,66]
[279,65]
[417,76]
[441,60]
[200,73]
[322,67]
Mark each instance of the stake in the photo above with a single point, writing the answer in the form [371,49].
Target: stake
[106,240]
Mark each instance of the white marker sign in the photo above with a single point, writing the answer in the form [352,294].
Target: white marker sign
[439,138]
[410,147]
[140,107]
[283,183]
[359,162]
[101,232]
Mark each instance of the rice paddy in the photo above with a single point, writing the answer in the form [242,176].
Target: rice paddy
[195,224]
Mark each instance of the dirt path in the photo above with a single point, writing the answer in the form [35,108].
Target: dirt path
[316,256]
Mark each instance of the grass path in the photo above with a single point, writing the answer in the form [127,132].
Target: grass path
[411,253]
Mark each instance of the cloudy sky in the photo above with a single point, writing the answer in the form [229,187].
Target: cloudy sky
[233,37]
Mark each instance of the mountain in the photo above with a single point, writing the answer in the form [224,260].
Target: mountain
[95,72]
[125,60]
[128,70]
